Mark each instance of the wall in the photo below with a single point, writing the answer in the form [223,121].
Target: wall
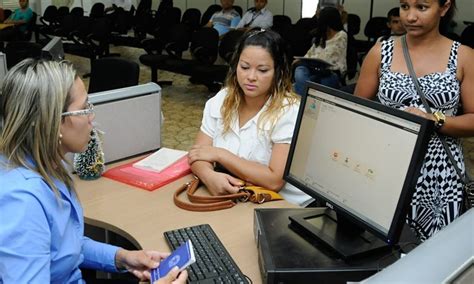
[292,8]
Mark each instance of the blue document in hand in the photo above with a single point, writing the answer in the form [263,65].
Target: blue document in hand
[182,257]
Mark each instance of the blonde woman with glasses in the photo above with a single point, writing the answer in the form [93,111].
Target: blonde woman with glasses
[46,114]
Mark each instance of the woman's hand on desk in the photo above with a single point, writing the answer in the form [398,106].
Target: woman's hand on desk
[221,183]
[138,262]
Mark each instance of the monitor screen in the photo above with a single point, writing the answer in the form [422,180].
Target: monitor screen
[53,49]
[360,157]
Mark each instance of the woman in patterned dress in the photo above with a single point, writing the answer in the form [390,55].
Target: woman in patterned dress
[445,71]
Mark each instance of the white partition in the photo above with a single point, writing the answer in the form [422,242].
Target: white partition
[131,119]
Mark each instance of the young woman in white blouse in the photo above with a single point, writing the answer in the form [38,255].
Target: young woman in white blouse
[247,127]
[330,45]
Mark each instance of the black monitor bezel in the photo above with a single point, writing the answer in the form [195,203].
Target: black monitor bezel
[426,129]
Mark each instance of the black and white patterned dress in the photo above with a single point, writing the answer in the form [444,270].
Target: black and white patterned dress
[438,194]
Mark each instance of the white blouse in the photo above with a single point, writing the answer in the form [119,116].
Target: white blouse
[249,142]
[334,52]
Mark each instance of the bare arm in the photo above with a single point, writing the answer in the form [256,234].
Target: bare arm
[463,125]
[201,158]
[202,155]
[270,176]
[368,82]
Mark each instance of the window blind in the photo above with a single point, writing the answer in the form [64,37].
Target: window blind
[10,4]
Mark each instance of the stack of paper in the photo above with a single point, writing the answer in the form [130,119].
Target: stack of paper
[160,160]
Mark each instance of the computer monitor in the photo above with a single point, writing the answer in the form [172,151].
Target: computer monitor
[53,49]
[363,159]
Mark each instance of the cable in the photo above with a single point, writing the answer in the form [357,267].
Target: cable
[248,278]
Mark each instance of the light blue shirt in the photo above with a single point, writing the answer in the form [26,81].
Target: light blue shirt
[42,236]
[224,21]
[253,19]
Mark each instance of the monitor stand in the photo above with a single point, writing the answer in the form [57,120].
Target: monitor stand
[339,235]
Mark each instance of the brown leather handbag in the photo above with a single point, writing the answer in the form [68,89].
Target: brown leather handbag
[202,203]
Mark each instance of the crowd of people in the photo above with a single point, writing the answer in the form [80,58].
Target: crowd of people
[245,133]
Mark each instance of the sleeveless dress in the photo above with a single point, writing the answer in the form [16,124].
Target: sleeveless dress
[438,194]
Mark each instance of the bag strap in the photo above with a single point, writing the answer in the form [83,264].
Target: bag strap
[406,54]
[205,203]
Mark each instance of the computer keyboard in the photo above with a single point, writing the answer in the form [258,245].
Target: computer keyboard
[213,263]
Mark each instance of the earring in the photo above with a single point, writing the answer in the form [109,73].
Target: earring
[60,137]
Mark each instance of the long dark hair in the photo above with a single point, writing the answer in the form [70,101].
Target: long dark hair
[448,17]
[329,17]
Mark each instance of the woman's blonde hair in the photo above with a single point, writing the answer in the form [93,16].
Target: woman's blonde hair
[280,90]
[34,95]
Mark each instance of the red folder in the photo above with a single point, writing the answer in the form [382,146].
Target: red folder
[149,180]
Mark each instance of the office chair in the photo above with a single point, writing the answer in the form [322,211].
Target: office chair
[48,21]
[62,11]
[97,10]
[204,47]
[213,76]
[282,25]
[178,39]
[467,36]
[110,73]
[191,17]
[299,36]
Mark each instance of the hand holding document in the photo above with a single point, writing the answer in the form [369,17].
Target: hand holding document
[160,160]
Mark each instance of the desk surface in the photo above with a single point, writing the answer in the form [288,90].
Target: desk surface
[4,26]
[142,217]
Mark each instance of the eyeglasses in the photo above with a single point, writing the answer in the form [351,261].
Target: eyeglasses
[88,111]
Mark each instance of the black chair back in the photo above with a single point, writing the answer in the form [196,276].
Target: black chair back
[49,16]
[97,10]
[62,11]
[110,73]
[353,24]
[376,27]
[179,39]
[7,13]
[467,36]
[192,17]
[77,11]
[204,45]
[282,25]
[299,37]
[228,44]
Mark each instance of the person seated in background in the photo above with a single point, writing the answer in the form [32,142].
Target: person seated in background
[247,126]
[45,114]
[257,17]
[19,18]
[394,24]
[226,19]
[330,45]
